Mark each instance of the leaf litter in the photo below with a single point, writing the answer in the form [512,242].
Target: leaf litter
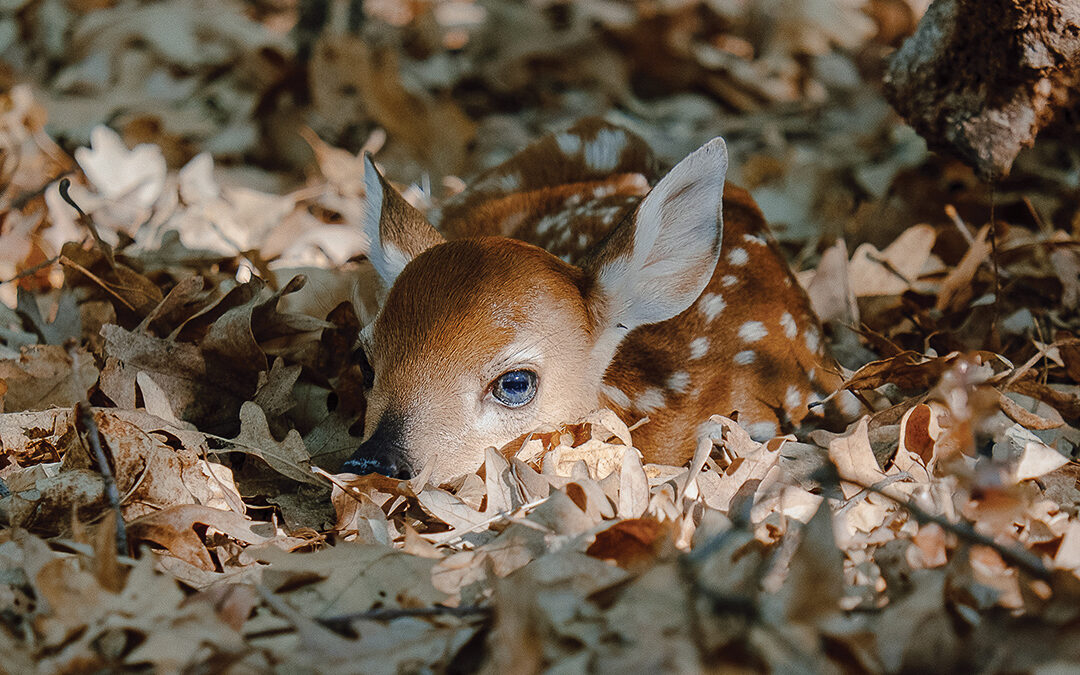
[203,310]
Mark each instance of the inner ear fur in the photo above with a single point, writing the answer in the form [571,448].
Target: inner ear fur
[396,230]
[657,263]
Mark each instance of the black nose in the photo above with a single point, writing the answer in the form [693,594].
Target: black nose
[383,452]
[362,465]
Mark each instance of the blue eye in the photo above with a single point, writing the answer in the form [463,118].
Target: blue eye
[514,389]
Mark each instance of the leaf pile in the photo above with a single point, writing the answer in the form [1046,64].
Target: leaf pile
[197,320]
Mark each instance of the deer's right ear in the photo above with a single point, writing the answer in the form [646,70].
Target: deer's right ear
[656,264]
[396,231]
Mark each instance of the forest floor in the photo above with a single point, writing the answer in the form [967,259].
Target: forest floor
[197,319]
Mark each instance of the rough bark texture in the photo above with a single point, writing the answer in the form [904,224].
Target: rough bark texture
[980,78]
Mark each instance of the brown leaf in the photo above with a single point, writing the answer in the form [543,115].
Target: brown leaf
[1027,418]
[43,377]
[854,459]
[907,370]
[174,529]
[631,544]
[289,457]
[919,431]
[956,290]
[815,583]
[830,291]
[1069,348]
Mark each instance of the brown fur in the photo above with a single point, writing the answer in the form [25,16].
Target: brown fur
[749,346]
[766,288]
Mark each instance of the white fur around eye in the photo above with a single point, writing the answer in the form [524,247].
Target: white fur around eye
[517,356]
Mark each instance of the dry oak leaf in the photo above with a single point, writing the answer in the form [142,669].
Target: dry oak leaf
[136,176]
[289,457]
[34,437]
[43,377]
[631,543]
[349,577]
[912,371]
[191,34]
[894,270]
[46,506]
[196,392]
[174,529]
[815,583]
[854,460]
[151,473]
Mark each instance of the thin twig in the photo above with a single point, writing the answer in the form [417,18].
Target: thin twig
[391,613]
[995,336]
[64,260]
[299,621]
[88,428]
[1019,557]
[959,223]
[87,222]
[30,271]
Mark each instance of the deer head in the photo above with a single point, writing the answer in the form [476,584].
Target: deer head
[481,340]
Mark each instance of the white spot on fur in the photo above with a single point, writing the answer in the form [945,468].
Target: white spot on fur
[745,357]
[738,256]
[603,152]
[761,431]
[679,382]
[570,144]
[506,182]
[711,305]
[729,280]
[606,214]
[752,331]
[511,221]
[557,220]
[650,400]
[787,322]
[602,191]
[754,239]
[699,347]
[793,398]
[572,200]
[582,240]
[509,182]
[617,396]
[813,339]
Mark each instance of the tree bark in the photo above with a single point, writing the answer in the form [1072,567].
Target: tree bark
[980,78]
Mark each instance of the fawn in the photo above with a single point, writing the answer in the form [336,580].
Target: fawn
[566,284]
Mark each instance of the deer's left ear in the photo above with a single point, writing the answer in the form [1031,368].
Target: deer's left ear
[396,231]
[655,265]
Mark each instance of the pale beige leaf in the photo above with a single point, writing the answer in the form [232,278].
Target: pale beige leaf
[155,400]
[854,459]
[892,271]
[633,486]
[1068,553]
[1038,459]
[451,510]
[497,481]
